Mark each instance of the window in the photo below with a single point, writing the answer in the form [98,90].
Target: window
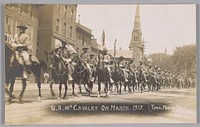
[30,11]
[83,41]
[19,9]
[70,34]
[72,13]
[29,31]
[9,6]
[136,38]
[65,29]
[57,25]
[65,11]
[17,24]
[58,8]
[25,8]
[8,24]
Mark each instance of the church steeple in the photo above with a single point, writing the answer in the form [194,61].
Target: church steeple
[136,44]
[137,18]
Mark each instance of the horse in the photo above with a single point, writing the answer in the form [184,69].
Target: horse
[132,81]
[121,77]
[15,69]
[152,82]
[81,75]
[103,75]
[58,72]
[141,77]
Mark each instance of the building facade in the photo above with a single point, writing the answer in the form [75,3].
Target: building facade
[136,43]
[27,14]
[15,14]
[85,39]
[57,23]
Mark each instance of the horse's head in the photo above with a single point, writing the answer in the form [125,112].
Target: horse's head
[50,58]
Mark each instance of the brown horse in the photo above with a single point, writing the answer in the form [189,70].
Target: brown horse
[14,69]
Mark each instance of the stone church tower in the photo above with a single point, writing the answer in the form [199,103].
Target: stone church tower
[136,44]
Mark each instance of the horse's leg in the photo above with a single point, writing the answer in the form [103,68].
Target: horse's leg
[60,88]
[73,86]
[23,89]
[39,87]
[141,87]
[80,91]
[51,87]
[11,89]
[66,87]
[7,86]
[99,88]
[120,87]
[117,85]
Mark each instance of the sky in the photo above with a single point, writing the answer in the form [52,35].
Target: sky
[164,26]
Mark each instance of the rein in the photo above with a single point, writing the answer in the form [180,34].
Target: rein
[80,71]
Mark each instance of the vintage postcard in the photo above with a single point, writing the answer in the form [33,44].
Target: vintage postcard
[100,63]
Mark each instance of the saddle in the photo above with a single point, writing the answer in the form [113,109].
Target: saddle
[16,55]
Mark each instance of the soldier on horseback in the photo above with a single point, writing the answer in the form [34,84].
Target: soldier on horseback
[62,52]
[106,60]
[93,63]
[140,68]
[23,49]
[85,58]
[131,66]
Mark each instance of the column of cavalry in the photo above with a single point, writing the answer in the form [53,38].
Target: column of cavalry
[64,66]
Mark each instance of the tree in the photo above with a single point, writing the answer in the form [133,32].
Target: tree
[184,59]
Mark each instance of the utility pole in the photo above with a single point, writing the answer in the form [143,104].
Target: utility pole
[115,52]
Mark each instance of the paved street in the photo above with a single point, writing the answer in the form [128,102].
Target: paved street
[164,106]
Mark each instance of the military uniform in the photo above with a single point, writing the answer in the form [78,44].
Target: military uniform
[64,54]
[85,57]
[22,48]
[140,69]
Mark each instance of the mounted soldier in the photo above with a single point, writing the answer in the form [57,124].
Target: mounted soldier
[92,61]
[84,58]
[23,49]
[150,70]
[62,52]
[131,65]
[106,60]
[122,66]
[140,68]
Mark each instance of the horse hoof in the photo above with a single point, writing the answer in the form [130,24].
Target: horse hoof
[8,102]
[39,98]
[12,97]
[58,98]
[53,94]
[64,97]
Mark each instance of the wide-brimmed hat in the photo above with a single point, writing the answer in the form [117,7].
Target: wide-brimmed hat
[22,26]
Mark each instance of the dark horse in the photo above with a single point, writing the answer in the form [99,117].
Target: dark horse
[132,81]
[118,78]
[58,72]
[152,82]
[141,81]
[103,76]
[80,76]
[15,69]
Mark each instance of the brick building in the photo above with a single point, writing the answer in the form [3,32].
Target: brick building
[85,39]
[57,23]
[15,14]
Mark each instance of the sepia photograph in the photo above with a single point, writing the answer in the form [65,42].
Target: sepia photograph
[100,63]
